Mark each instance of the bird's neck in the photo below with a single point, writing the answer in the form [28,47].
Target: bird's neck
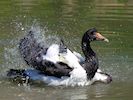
[91,60]
[87,50]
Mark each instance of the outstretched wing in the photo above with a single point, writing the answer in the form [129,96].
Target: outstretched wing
[30,49]
[33,53]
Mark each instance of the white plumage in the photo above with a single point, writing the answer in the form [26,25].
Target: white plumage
[78,74]
[77,77]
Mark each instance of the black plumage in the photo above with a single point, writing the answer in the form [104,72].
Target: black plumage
[32,53]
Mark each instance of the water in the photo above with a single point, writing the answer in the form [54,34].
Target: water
[68,19]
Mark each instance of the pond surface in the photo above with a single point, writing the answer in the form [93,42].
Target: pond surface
[69,19]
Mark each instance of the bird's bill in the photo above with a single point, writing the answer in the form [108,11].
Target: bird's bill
[99,37]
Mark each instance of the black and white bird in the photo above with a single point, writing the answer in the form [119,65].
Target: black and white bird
[58,65]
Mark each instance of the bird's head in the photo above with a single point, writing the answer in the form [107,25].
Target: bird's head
[93,34]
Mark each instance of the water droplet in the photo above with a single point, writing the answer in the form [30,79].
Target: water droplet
[22,28]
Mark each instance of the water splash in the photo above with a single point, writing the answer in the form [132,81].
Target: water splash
[120,71]
[11,55]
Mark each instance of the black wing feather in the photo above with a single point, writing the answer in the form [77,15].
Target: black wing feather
[32,53]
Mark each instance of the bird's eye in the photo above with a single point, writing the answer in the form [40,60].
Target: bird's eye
[92,33]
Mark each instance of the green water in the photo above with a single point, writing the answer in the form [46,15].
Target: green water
[69,19]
